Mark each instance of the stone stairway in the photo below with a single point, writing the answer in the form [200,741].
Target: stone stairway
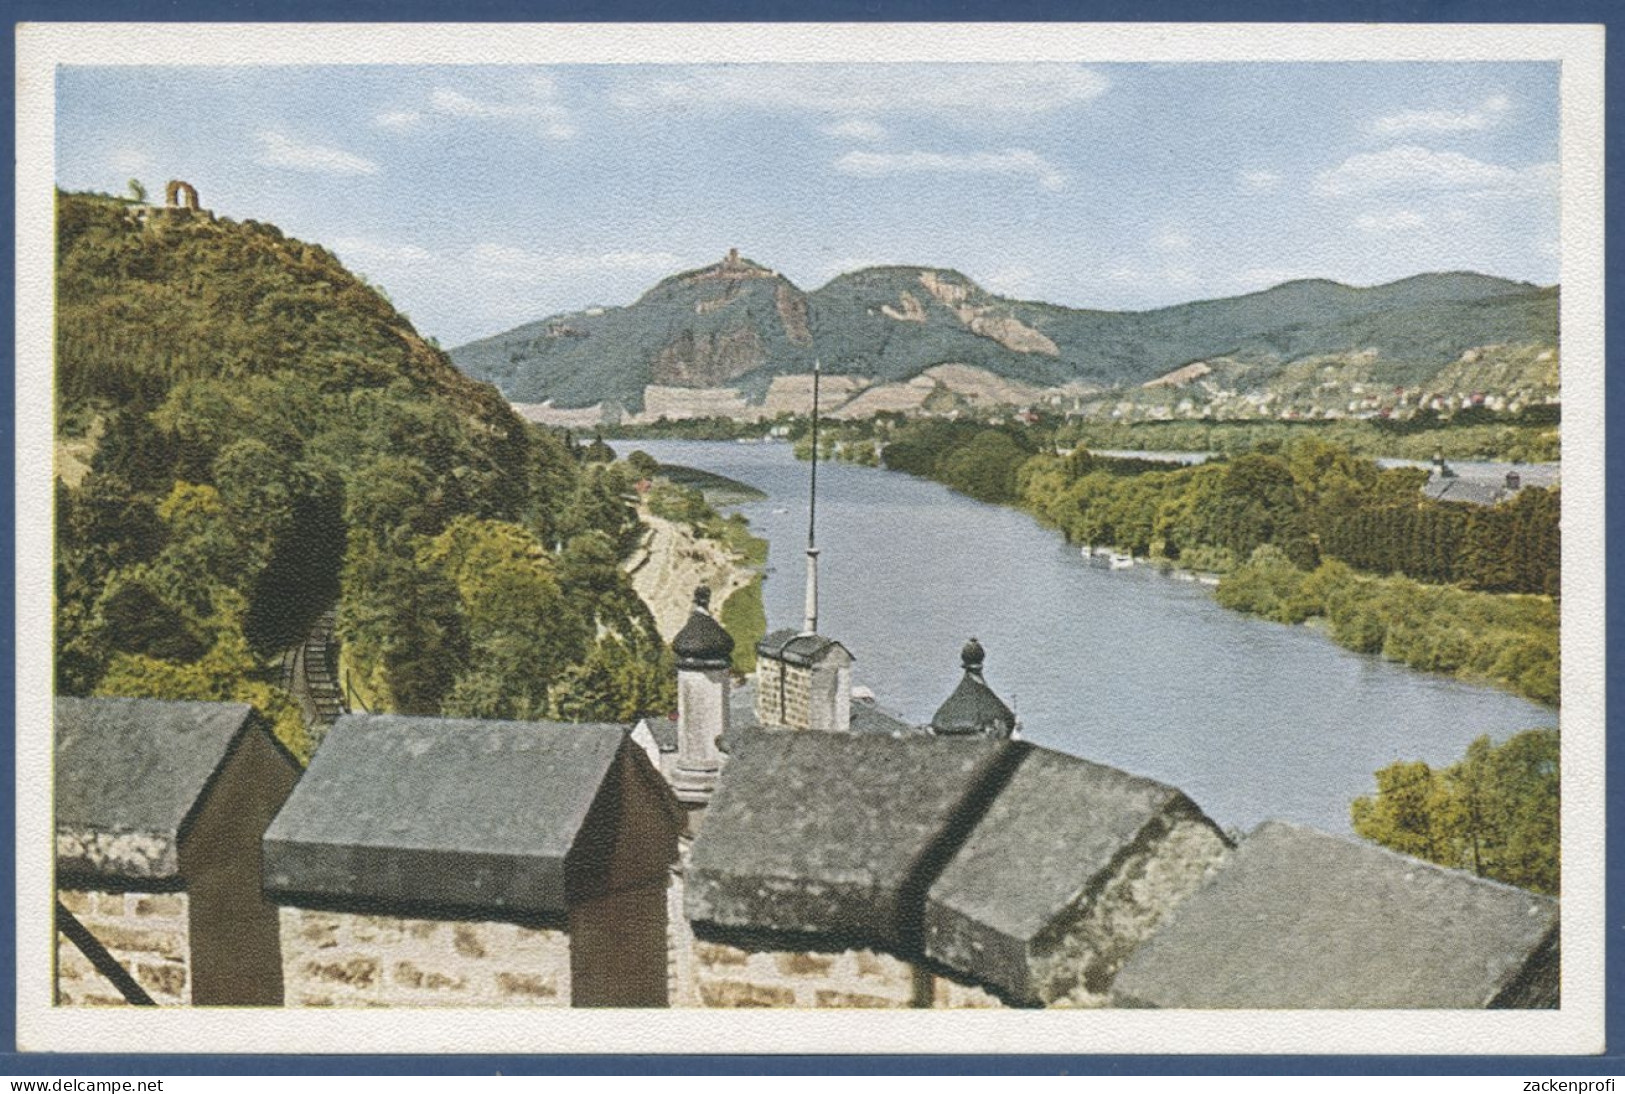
[309,673]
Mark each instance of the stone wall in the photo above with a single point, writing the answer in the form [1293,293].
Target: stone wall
[729,977]
[726,976]
[711,974]
[1085,951]
[797,695]
[145,932]
[344,959]
[682,987]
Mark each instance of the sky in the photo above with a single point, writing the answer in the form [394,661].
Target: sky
[482,197]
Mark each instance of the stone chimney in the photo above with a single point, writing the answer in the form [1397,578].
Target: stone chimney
[803,681]
[973,710]
[704,650]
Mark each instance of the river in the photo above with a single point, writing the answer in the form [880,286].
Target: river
[1252,719]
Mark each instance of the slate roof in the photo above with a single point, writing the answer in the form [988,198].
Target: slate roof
[1302,919]
[1056,831]
[129,776]
[870,719]
[663,728]
[831,835]
[795,648]
[438,811]
[1470,491]
[973,708]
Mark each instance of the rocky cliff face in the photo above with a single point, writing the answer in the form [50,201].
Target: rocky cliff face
[738,325]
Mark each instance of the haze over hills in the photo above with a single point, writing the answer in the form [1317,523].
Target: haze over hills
[736,326]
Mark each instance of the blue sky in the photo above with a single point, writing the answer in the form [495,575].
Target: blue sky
[483,197]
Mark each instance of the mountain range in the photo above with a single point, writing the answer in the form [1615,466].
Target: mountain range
[739,325]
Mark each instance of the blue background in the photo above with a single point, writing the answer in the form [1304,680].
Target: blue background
[1403,11]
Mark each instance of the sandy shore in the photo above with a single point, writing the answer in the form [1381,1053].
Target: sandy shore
[672,561]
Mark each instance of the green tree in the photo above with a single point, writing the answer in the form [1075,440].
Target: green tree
[643,465]
[986,468]
[1495,812]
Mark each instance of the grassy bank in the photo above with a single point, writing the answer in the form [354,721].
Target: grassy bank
[1508,641]
[688,496]
[1288,523]
[745,618]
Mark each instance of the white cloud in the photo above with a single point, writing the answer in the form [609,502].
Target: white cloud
[1172,241]
[1399,220]
[1011,280]
[835,267]
[856,129]
[1011,161]
[280,150]
[502,262]
[399,119]
[536,101]
[1267,277]
[542,107]
[1411,168]
[1488,114]
[1258,182]
[871,89]
[362,249]
[130,161]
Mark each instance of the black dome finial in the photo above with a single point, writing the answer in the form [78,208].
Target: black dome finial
[702,643]
[973,709]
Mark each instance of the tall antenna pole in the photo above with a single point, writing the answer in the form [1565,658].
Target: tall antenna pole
[811,621]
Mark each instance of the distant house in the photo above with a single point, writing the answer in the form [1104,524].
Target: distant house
[1444,484]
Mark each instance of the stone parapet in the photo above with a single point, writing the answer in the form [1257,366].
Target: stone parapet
[1305,920]
[347,959]
[146,933]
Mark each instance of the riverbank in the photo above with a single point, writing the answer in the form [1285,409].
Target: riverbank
[1129,668]
[1458,590]
[674,559]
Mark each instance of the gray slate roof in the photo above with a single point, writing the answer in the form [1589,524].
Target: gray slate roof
[1470,491]
[663,728]
[869,719]
[1301,919]
[130,773]
[1056,832]
[791,646]
[824,834]
[438,811]
[973,708]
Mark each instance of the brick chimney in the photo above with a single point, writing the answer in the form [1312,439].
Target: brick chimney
[803,681]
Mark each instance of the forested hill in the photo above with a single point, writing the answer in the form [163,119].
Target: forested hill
[265,435]
[739,324]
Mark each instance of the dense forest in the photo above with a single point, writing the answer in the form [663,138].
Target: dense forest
[264,436]
[1300,529]
[1530,435]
